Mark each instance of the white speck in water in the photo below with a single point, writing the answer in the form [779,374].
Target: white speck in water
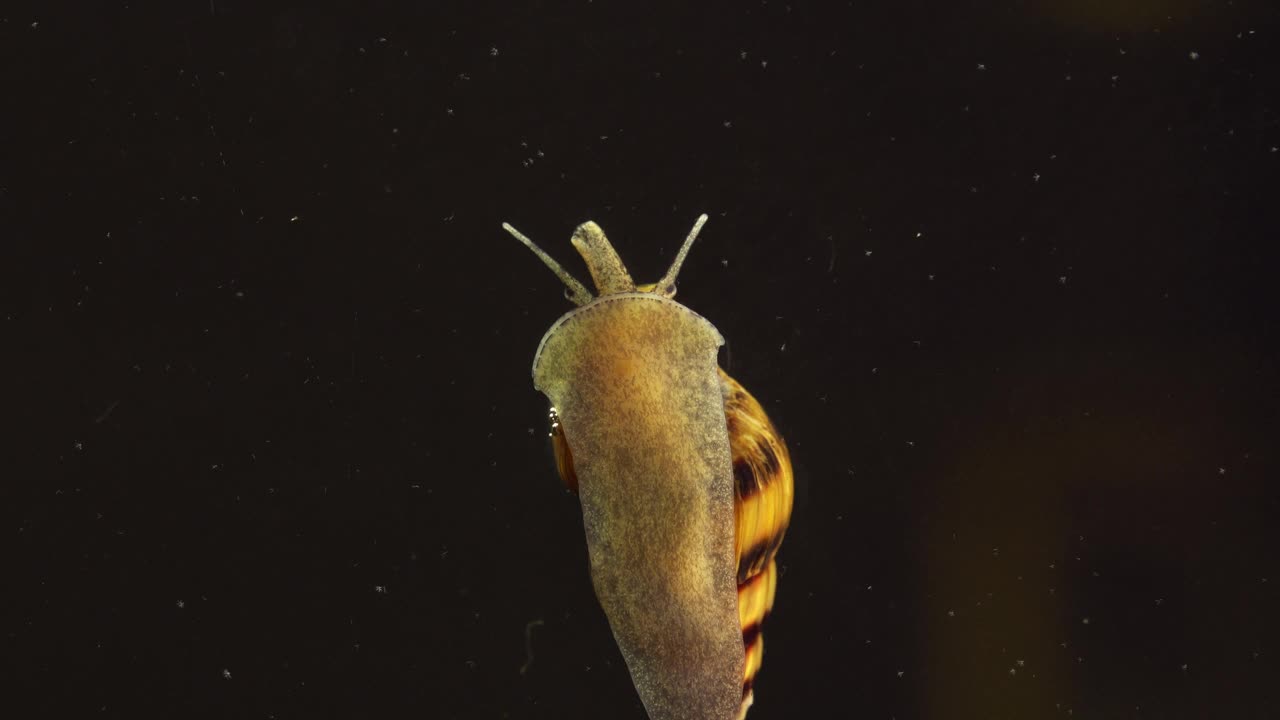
[226,674]
[493,51]
[1193,55]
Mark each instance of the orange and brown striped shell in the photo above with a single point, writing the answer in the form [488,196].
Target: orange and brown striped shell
[763,495]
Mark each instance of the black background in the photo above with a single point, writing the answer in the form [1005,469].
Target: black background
[1003,273]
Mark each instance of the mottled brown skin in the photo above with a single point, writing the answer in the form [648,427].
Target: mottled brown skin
[763,494]
[634,379]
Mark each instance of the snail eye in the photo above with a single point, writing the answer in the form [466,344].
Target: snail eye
[560,451]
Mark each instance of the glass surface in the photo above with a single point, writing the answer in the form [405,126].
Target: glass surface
[1003,275]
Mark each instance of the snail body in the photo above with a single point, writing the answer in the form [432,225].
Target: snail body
[685,485]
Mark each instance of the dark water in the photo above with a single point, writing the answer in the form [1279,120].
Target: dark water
[1003,273]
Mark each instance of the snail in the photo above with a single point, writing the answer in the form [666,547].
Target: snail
[686,486]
